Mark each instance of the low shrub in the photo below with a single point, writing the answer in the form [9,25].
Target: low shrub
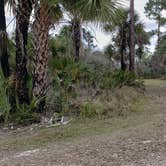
[25,118]
[90,75]
[4,102]
[117,78]
[70,77]
[91,109]
[25,114]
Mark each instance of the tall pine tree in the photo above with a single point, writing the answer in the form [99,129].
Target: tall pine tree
[132,38]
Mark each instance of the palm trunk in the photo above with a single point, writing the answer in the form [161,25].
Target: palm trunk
[132,38]
[42,53]
[23,13]
[76,24]
[3,42]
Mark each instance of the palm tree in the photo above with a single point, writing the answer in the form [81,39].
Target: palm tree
[3,41]
[23,13]
[43,21]
[121,40]
[132,38]
[46,14]
[87,10]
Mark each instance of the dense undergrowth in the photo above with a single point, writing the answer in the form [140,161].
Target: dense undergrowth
[81,90]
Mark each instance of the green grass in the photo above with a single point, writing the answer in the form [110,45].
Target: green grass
[76,130]
[155,82]
[156,87]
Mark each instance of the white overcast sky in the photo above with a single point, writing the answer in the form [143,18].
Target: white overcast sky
[103,39]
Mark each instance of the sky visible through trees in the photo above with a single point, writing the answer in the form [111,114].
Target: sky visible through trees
[103,39]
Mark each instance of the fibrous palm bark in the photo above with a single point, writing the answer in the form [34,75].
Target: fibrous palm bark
[42,53]
[23,13]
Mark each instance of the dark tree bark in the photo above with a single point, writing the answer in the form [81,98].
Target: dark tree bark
[123,47]
[158,30]
[3,42]
[76,26]
[10,92]
[23,13]
[132,38]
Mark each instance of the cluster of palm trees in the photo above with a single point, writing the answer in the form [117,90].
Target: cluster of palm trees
[46,13]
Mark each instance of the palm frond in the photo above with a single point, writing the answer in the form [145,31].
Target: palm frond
[94,10]
[11,4]
[99,10]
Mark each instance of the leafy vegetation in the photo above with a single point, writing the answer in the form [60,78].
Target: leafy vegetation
[46,75]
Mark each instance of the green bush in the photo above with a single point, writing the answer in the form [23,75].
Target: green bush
[4,103]
[121,78]
[117,79]
[70,76]
[66,70]
[25,114]
[25,118]
[91,75]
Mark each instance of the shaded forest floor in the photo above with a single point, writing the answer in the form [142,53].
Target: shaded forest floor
[136,140]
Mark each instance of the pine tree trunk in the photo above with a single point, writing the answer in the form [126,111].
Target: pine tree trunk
[3,42]
[123,47]
[23,13]
[132,38]
[158,30]
[42,53]
[76,26]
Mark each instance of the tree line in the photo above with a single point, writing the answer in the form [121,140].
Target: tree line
[44,14]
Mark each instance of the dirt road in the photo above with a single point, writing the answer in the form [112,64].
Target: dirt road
[138,140]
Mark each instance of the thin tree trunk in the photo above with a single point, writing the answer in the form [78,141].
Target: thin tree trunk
[10,92]
[23,13]
[123,47]
[42,53]
[132,38]
[76,24]
[158,31]
[3,42]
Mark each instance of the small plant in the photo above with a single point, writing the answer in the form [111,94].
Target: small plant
[25,118]
[123,78]
[4,103]
[25,114]
[117,79]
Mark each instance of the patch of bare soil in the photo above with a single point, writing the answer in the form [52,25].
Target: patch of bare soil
[143,144]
